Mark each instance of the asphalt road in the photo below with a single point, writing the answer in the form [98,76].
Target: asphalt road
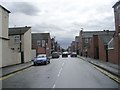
[60,73]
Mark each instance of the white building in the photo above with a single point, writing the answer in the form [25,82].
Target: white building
[12,49]
[20,42]
[4,19]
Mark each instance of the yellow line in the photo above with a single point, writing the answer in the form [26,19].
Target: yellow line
[117,79]
[8,76]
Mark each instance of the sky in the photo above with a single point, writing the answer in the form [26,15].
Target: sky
[63,19]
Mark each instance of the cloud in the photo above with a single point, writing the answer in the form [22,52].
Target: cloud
[24,8]
[62,18]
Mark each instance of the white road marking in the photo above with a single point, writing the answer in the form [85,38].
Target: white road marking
[54,86]
[59,72]
[63,64]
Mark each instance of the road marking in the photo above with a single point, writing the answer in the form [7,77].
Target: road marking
[63,64]
[54,86]
[117,79]
[59,72]
[10,75]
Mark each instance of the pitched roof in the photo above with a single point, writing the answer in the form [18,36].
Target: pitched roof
[77,38]
[116,4]
[4,8]
[40,36]
[18,30]
[88,34]
[106,38]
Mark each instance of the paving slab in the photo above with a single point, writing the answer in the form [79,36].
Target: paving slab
[110,67]
[14,68]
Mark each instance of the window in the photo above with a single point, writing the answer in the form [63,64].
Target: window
[86,40]
[111,44]
[43,43]
[39,43]
[17,39]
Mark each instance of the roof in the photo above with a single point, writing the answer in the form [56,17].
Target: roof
[106,38]
[40,36]
[116,4]
[4,8]
[88,34]
[18,30]
[77,39]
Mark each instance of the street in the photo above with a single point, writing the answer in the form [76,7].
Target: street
[60,73]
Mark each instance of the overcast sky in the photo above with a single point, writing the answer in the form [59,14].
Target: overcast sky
[62,18]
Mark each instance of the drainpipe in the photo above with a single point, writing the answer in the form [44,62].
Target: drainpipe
[106,47]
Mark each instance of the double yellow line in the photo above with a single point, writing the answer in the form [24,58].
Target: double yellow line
[115,78]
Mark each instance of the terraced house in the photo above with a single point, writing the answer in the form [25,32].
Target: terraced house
[41,42]
[114,44]
[15,43]
[20,43]
[95,43]
[4,48]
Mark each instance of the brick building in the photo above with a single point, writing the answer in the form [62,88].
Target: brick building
[41,42]
[114,44]
[73,46]
[98,45]
[89,42]
[76,44]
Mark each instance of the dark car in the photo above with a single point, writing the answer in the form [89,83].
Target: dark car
[41,59]
[73,54]
[65,54]
[55,55]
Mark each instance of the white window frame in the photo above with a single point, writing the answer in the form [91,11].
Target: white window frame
[86,40]
[111,44]
[17,39]
[39,43]
[43,43]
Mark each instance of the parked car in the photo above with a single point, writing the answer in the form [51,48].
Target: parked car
[65,54]
[73,54]
[55,55]
[41,59]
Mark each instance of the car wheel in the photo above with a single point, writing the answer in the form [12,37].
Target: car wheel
[34,64]
[46,63]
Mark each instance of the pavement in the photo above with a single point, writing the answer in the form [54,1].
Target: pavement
[110,67]
[14,68]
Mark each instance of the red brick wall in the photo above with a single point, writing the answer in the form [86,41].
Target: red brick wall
[91,49]
[102,51]
[95,45]
[113,53]
[40,50]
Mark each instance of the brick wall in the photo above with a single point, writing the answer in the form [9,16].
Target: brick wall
[113,53]
[95,47]
[102,50]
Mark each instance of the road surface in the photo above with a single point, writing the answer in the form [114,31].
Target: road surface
[60,73]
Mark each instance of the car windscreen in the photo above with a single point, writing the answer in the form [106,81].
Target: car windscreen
[41,56]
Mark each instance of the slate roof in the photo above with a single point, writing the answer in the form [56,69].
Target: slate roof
[4,8]
[77,39]
[116,4]
[18,30]
[88,34]
[40,36]
[106,38]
